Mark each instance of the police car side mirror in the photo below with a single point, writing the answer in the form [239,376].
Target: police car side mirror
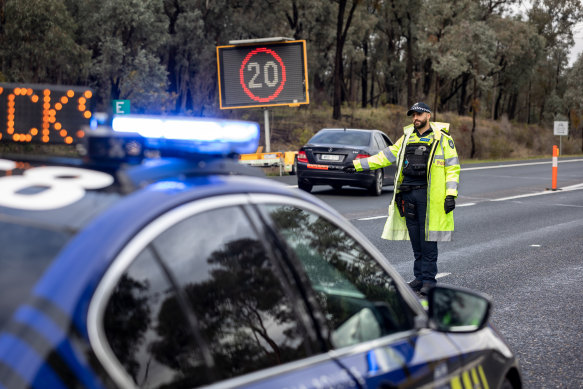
[453,309]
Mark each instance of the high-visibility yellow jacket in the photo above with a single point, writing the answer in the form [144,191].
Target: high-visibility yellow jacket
[442,180]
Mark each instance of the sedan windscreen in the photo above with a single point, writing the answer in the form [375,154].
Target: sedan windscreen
[351,138]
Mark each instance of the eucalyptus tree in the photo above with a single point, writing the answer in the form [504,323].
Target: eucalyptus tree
[344,16]
[319,32]
[38,43]
[573,96]
[554,20]
[408,22]
[126,39]
[518,49]
[364,41]
[389,49]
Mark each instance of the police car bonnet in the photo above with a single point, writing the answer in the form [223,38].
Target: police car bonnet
[419,108]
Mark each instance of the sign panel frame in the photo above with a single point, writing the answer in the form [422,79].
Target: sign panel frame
[263,74]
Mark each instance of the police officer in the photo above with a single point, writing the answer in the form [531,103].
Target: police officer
[426,186]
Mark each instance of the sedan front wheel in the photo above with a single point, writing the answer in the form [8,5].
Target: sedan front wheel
[376,189]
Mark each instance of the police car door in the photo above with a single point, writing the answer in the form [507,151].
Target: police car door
[367,322]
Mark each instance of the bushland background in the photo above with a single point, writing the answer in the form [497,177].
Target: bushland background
[498,70]
[494,139]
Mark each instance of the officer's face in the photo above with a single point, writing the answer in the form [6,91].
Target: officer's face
[420,119]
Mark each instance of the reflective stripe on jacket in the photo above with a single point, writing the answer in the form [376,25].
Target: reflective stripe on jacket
[442,180]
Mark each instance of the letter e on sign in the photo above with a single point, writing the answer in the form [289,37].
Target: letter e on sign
[121,107]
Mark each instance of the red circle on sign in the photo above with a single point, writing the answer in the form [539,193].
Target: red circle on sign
[242,78]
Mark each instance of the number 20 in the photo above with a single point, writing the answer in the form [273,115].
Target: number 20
[254,66]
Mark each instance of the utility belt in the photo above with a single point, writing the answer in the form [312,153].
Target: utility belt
[409,188]
[406,208]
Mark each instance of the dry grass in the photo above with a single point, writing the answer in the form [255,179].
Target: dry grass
[495,140]
[293,127]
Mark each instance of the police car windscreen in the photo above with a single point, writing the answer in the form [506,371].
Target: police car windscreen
[346,138]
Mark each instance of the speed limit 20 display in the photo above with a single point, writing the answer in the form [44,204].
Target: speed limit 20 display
[261,75]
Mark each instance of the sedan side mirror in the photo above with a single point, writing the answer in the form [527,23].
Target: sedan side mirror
[453,309]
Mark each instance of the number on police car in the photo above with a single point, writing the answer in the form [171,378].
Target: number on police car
[59,186]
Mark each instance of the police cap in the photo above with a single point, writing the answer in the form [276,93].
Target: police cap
[418,107]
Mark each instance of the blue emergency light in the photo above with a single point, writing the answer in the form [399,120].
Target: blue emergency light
[191,135]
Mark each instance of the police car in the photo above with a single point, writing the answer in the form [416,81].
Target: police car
[157,261]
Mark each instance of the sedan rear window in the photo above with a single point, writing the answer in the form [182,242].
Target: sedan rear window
[349,138]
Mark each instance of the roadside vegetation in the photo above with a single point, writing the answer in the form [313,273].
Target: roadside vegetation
[499,139]
[291,128]
[500,71]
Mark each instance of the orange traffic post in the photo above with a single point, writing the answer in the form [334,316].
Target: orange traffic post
[555,163]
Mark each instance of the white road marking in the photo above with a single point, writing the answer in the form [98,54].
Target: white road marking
[546,192]
[518,164]
[535,245]
[441,275]
[565,189]
[373,217]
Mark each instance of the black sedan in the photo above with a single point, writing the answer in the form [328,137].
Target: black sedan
[321,160]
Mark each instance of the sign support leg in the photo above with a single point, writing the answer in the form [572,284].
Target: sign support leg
[267,141]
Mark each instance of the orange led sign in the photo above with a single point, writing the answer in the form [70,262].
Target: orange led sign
[44,113]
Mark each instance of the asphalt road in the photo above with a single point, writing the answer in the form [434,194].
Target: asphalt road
[516,241]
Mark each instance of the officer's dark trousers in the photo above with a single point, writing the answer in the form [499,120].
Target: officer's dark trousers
[425,265]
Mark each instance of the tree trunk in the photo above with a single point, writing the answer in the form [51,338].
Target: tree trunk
[172,67]
[528,102]
[497,105]
[464,93]
[428,73]
[364,74]
[338,78]
[372,81]
[409,64]
[474,114]
[435,98]
[2,16]
[294,20]
[337,112]
[512,106]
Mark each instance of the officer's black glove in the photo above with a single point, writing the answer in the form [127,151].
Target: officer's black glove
[449,204]
[349,169]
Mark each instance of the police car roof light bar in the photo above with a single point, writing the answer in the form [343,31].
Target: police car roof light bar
[195,135]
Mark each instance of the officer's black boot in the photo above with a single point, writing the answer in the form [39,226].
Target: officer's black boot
[424,291]
[416,285]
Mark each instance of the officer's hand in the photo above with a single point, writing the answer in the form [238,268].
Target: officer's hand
[449,204]
[349,169]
